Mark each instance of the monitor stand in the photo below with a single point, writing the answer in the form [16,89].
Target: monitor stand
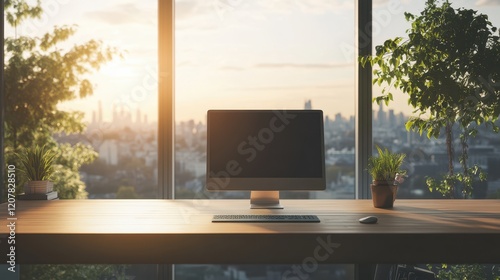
[265,200]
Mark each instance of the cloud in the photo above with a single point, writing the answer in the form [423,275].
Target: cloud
[487,2]
[287,65]
[190,13]
[231,68]
[122,14]
[303,65]
[323,6]
[296,87]
[195,15]
[380,2]
[186,9]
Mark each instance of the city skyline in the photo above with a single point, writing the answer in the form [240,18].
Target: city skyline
[120,115]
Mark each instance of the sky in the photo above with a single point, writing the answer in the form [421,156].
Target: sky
[231,54]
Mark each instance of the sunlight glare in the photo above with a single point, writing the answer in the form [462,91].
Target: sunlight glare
[118,69]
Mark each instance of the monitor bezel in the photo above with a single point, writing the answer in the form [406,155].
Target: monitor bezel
[265,184]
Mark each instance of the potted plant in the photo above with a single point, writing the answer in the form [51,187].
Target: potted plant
[37,167]
[386,173]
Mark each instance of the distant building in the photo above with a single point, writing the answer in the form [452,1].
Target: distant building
[338,118]
[108,151]
[392,119]
[381,117]
[308,105]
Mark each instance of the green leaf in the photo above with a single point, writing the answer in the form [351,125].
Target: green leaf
[37,163]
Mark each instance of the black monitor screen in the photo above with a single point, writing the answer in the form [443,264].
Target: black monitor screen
[265,144]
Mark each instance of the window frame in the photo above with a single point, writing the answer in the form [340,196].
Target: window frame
[166,101]
[363,114]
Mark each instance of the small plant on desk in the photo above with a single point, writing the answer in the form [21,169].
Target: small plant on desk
[387,174]
[37,168]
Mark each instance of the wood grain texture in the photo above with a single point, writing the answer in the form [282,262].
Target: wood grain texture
[181,231]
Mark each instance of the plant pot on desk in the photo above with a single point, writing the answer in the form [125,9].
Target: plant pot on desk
[383,194]
[38,187]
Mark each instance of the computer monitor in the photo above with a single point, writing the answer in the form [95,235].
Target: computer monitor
[265,151]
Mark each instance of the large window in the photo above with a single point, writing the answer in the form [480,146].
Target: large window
[428,157]
[264,55]
[81,77]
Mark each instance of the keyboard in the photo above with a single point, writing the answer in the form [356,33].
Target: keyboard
[266,218]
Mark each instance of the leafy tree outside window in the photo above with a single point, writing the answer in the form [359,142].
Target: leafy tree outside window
[39,74]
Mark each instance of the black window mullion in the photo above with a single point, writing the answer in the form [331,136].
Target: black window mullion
[363,99]
[166,99]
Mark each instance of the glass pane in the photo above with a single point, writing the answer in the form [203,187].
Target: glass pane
[429,157]
[264,55]
[82,80]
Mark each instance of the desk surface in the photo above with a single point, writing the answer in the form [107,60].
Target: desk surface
[181,231]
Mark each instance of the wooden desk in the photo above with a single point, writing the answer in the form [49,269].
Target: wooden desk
[181,232]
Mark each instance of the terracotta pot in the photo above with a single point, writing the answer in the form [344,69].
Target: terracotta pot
[383,194]
[38,187]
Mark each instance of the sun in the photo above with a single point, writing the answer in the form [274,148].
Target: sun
[119,68]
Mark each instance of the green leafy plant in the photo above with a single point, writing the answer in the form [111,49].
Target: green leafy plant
[466,271]
[449,68]
[37,163]
[386,166]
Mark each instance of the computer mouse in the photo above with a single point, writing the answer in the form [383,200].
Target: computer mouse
[368,220]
